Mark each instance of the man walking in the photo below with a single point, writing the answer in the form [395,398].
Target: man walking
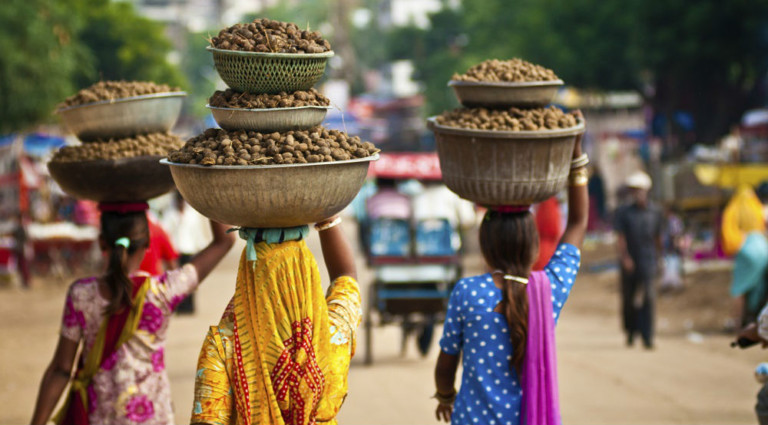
[639,227]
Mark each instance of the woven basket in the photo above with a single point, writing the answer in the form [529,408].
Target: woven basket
[505,167]
[271,73]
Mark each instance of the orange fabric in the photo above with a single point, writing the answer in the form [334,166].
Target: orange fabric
[548,223]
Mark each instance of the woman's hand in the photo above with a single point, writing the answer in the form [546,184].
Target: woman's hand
[444,412]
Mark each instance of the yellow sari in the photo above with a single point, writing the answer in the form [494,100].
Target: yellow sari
[281,353]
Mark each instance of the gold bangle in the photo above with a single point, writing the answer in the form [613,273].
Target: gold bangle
[325,226]
[578,177]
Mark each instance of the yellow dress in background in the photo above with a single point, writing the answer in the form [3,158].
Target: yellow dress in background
[281,353]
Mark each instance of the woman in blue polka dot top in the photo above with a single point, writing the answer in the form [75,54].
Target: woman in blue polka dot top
[501,324]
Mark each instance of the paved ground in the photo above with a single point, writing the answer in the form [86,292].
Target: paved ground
[685,380]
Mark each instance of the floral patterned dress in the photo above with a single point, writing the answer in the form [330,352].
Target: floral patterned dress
[132,386]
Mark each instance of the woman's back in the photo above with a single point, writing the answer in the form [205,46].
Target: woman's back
[490,389]
[131,386]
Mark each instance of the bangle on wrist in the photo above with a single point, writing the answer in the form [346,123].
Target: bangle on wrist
[580,161]
[578,177]
[445,399]
[327,224]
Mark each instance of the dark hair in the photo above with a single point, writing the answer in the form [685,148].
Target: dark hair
[510,243]
[114,226]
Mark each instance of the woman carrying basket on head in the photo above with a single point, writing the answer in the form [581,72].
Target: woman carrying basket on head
[121,318]
[502,323]
[281,352]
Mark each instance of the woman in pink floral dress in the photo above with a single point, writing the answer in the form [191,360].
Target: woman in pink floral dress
[121,318]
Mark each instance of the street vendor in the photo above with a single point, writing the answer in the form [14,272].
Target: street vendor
[121,319]
[281,352]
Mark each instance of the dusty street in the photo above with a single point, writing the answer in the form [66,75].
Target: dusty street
[691,380]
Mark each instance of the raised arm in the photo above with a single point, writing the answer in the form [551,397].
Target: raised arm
[211,255]
[578,206]
[337,252]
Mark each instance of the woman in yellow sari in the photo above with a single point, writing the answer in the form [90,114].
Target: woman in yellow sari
[281,352]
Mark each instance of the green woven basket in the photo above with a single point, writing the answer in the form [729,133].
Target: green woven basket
[272,73]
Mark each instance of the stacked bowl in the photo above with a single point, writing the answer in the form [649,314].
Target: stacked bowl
[124,129]
[505,147]
[271,164]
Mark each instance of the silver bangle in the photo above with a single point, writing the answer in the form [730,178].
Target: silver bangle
[581,161]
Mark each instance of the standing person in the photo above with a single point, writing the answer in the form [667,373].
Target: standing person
[281,352]
[743,235]
[20,251]
[639,227]
[672,280]
[502,323]
[190,235]
[121,319]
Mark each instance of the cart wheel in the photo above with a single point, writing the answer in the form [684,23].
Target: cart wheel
[426,333]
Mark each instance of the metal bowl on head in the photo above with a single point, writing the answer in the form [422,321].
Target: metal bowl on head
[273,119]
[113,180]
[531,94]
[257,72]
[123,117]
[269,196]
[505,167]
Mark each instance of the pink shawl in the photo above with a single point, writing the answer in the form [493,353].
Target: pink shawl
[539,375]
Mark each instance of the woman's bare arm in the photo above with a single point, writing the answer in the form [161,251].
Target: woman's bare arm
[578,209]
[55,380]
[210,256]
[337,253]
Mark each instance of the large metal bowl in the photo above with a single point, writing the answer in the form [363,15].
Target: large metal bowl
[113,180]
[123,117]
[257,72]
[274,119]
[267,196]
[505,167]
[504,95]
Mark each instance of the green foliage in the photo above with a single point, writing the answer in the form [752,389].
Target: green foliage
[51,48]
[39,61]
[124,45]
[200,73]
[707,57]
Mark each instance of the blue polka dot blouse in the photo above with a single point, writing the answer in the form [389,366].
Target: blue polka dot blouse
[490,393]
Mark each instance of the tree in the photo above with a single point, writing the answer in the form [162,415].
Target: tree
[124,45]
[53,48]
[706,57]
[39,62]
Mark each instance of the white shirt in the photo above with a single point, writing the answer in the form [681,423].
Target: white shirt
[440,202]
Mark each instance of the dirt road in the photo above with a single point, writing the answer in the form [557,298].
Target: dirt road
[686,380]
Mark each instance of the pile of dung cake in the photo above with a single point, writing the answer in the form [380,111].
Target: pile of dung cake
[268,122]
[124,131]
[507,144]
